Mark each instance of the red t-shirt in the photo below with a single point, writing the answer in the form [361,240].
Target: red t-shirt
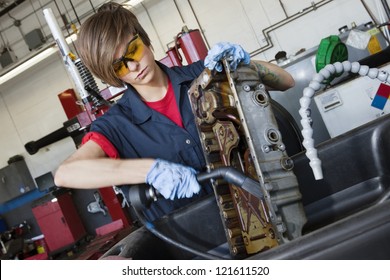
[166,106]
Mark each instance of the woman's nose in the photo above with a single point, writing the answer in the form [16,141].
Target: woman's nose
[132,65]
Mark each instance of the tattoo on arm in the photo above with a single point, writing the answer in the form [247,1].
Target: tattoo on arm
[267,76]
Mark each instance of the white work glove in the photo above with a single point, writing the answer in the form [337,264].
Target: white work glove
[235,54]
[173,180]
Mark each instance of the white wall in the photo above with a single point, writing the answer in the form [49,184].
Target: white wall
[30,109]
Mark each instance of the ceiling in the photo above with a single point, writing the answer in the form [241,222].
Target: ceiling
[24,31]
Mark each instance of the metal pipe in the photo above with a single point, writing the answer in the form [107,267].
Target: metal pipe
[65,51]
[284,10]
[386,7]
[373,18]
[281,23]
[233,176]
[93,7]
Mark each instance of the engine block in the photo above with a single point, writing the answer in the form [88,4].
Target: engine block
[237,128]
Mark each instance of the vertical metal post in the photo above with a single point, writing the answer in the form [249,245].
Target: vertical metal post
[65,53]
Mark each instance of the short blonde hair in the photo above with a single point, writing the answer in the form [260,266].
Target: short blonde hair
[101,34]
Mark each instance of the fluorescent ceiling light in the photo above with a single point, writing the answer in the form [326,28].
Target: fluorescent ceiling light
[34,60]
[27,65]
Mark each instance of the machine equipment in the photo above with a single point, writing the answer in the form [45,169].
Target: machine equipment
[303,67]
[292,215]
[249,140]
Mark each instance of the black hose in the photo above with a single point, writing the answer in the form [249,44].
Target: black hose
[150,226]
[139,197]
[235,177]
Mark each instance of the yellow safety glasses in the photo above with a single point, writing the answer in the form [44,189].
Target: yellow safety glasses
[134,52]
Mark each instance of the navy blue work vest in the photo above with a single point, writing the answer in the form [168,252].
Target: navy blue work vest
[138,131]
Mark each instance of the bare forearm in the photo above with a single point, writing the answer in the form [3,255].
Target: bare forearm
[102,172]
[273,76]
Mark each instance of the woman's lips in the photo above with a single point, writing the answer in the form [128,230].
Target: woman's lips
[142,74]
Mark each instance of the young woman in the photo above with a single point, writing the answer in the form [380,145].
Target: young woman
[149,135]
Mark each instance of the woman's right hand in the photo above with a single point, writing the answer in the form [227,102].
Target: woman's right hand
[173,180]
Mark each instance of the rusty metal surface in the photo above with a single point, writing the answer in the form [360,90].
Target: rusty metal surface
[237,128]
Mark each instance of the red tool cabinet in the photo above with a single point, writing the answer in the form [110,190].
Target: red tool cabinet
[58,220]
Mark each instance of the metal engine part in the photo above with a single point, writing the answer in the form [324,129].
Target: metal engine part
[237,128]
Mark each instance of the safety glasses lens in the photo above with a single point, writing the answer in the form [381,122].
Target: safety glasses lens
[135,49]
[120,68]
[134,52]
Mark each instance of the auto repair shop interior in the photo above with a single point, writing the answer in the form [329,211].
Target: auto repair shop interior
[299,174]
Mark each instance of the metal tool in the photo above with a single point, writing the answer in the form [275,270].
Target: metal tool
[143,196]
